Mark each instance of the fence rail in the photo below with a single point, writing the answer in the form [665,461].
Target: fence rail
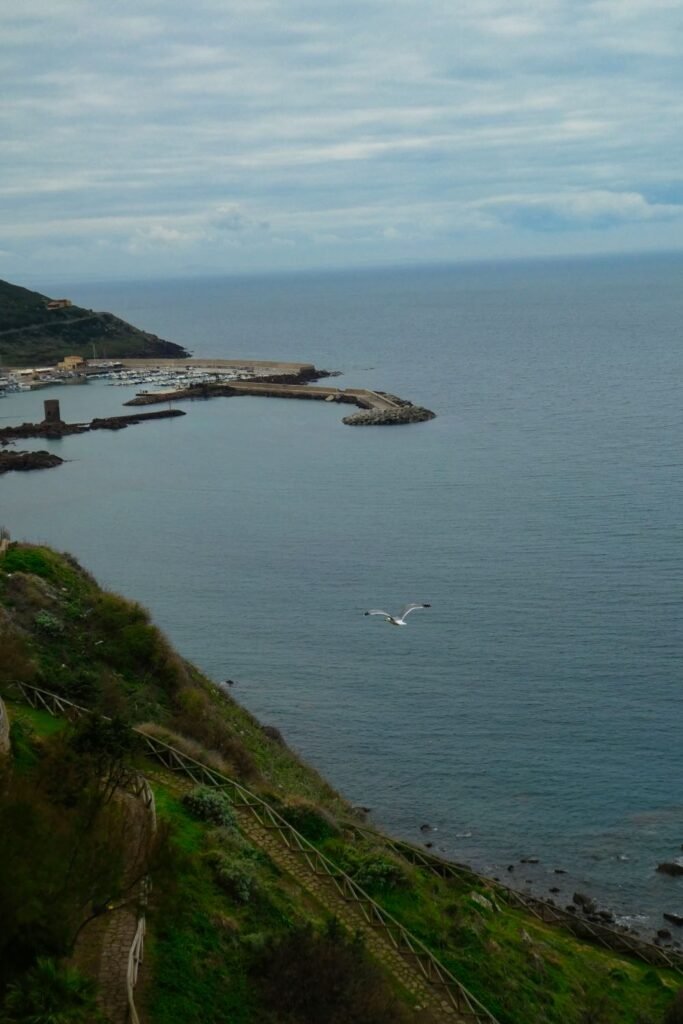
[4,729]
[134,961]
[602,935]
[452,991]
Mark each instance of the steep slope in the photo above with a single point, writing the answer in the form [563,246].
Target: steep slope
[31,334]
[243,911]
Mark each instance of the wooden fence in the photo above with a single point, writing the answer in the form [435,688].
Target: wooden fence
[455,994]
[402,940]
[602,935]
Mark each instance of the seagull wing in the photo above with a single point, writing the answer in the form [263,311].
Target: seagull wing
[375,611]
[411,608]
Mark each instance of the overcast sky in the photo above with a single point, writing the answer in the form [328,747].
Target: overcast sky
[156,138]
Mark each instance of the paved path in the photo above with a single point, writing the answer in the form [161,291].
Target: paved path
[49,323]
[103,946]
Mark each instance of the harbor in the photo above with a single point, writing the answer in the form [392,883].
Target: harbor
[157,374]
[164,380]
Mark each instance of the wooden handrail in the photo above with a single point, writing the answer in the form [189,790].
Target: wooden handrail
[459,997]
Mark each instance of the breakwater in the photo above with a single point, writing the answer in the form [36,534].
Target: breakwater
[377,408]
[54,429]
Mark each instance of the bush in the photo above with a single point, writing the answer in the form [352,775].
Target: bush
[674,1014]
[51,994]
[196,716]
[316,978]
[371,868]
[235,873]
[28,560]
[312,822]
[48,623]
[15,660]
[211,805]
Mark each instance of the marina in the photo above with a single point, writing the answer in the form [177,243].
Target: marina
[165,375]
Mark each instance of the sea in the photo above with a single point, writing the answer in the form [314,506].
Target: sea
[535,709]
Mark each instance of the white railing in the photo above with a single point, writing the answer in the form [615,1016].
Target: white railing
[134,961]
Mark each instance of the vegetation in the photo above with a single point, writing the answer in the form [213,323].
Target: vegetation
[231,937]
[51,993]
[31,334]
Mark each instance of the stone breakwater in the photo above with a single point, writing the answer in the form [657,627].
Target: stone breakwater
[55,430]
[377,408]
[403,412]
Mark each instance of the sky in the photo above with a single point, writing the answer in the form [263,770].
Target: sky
[153,138]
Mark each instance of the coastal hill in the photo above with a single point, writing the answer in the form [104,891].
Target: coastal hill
[133,789]
[32,333]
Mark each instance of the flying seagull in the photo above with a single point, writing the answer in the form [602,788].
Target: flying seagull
[397,620]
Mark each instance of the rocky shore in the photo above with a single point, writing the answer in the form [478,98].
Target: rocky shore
[53,431]
[23,461]
[407,413]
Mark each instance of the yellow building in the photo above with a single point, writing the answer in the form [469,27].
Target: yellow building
[71,363]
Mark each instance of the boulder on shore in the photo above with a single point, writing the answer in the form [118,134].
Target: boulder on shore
[670,867]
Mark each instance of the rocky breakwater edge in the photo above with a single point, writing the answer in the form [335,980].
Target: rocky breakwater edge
[54,430]
[376,408]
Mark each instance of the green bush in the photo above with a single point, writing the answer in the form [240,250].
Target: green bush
[48,623]
[51,994]
[674,1015]
[312,822]
[29,560]
[315,978]
[370,868]
[235,873]
[211,805]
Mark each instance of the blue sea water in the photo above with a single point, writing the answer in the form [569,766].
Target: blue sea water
[535,709]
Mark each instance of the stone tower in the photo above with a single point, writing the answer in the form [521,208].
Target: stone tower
[52,414]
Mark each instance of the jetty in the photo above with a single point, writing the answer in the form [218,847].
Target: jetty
[53,428]
[376,407]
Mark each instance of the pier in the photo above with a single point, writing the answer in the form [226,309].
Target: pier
[376,407]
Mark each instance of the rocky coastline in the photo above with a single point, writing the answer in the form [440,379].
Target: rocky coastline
[54,430]
[22,461]
[405,412]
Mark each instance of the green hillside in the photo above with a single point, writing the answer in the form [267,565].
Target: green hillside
[31,334]
[245,921]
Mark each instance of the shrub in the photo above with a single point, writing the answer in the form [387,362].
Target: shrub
[674,1014]
[196,716]
[316,978]
[51,994]
[28,560]
[235,873]
[312,822]
[15,660]
[211,805]
[371,868]
[48,623]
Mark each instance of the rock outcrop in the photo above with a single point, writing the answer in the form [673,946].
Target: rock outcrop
[28,460]
[389,417]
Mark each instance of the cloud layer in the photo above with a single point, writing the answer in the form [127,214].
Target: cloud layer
[252,135]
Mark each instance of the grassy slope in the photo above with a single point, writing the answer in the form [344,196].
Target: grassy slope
[41,336]
[103,652]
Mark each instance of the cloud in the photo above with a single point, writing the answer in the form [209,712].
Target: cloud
[256,124]
[596,210]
